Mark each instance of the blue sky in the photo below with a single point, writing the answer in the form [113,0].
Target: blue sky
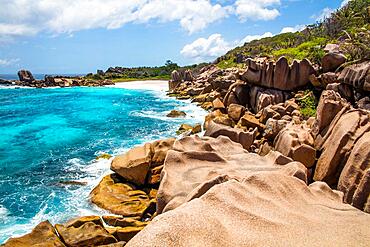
[80,36]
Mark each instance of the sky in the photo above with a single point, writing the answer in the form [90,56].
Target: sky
[81,36]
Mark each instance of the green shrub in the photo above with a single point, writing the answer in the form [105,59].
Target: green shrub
[307,104]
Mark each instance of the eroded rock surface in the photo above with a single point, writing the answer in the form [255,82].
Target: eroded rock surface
[196,160]
[263,209]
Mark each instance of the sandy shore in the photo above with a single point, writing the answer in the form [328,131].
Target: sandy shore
[155,85]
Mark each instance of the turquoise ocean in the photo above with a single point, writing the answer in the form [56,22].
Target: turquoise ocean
[53,135]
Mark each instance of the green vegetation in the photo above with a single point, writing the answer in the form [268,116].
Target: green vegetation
[309,49]
[121,74]
[349,27]
[229,63]
[307,104]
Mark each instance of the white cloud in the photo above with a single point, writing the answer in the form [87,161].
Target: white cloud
[293,29]
[28,17]
[7,62]
[325,13]
[206,48]
[257,9]
[249,38]
[344,3]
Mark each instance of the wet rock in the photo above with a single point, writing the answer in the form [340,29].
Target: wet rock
[235,134]
[42,235]
[176,113]
[196,129]
[118,197]
[331,61]
[88,234]
[134,165]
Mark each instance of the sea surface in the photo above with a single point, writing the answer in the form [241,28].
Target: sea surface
[36,76]
[53,135]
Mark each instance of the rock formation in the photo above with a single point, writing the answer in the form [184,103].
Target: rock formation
[196,163]
[26,76]
[260,209]
[280,75]
[357,75]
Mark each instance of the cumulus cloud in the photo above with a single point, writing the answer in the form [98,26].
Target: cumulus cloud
[293,29]
[249,38]
[28,17]
[257,9]
[206,48]
[7,62]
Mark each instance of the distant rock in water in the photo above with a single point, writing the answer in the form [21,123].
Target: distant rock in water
[25,75]
[176,113]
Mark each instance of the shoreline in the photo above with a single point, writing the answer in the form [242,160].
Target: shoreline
[156,86]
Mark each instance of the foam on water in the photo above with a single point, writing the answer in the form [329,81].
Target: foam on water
[55,136]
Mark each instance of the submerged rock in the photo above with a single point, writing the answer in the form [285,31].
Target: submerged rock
[176,113]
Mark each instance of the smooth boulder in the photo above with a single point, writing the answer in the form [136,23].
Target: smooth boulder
[119,198]
[134,165]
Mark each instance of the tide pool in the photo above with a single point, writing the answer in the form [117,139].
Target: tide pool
[53,135]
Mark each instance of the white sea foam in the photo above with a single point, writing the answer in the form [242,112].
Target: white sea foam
[143,85]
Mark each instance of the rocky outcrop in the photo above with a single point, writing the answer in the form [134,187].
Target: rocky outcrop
[357,75]
[118,197]
[354,180]
[261,209]
[279,75]
[331,61]
[194,161]
[296,142]
[176,113]
[188,75]
[237,135]
[338,143]
[259,98]
[133,165]
[25,76]
[175,80]
[43,234]
[330,104]
[235,111]
[88,234]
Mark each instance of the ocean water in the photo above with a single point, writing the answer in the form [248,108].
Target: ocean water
[53,135]
[36,76]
